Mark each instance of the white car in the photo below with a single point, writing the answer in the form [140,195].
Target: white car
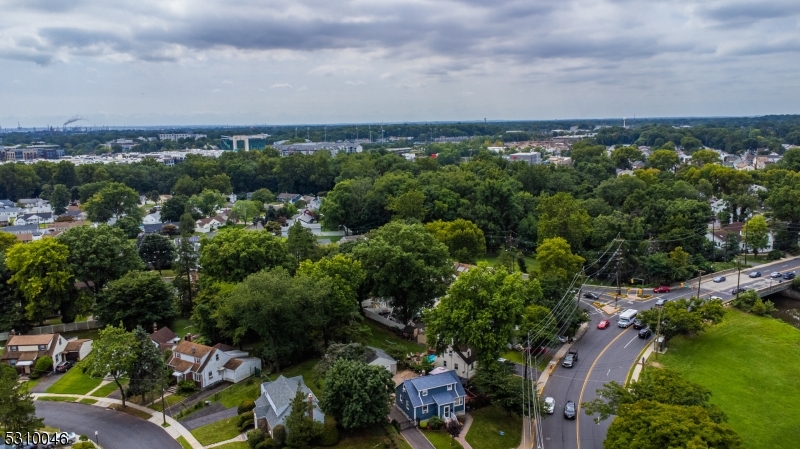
[714,298]
[549,405]
[775,274]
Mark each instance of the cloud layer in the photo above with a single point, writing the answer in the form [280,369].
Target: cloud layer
[557,54]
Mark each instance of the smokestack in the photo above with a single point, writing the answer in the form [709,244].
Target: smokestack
[155,327]
[311,406]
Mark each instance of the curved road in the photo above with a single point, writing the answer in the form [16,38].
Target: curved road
[606,355]
[117,430]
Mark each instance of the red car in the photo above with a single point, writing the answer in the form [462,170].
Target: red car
[603,324]
[661,289]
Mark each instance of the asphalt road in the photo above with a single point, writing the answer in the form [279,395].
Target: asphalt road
[606,355]
[117,430]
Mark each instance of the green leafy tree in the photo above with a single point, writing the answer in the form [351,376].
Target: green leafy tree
[99,255]
[623,157]
[683,316]
[174,208]
[690,144]
[129,225]
[246,210]
[557,261]
[139,298]
[208,201]
[464,239]
[301,430]
[7,241]
[355,352]
[301,243]
[157,251]
[12,302]
[408,249]
[113,353]
[339,317]
[59,199]
[43,274]
[357,395]
[17,410]
[756,233]
[408,206]
[347,204]
[562,216]
[235,253]
[664,160]
[184,265]
[501,386]
[263,196]
[113,200]
[704,157]
[148,373]
[537,322]
[187,224]
[481,310]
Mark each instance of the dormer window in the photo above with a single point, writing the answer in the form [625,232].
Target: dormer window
[450,387]
[14,348]
[424,392]
[43,347]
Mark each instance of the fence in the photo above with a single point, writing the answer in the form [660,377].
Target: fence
[61,328]
[385,321]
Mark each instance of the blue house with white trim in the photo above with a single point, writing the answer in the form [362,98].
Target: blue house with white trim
[439,395]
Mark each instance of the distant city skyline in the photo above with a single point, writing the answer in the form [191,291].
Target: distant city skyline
[243,62]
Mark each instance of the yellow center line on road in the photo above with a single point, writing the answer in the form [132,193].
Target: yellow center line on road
[583,388]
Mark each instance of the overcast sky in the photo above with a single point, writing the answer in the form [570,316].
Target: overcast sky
[150,62]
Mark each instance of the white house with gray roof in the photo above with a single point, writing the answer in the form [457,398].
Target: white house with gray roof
[275,402]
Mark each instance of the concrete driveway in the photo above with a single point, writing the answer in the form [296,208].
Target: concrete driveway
[45,383]
[117,430]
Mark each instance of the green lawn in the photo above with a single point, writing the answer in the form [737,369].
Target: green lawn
[530,261]
[182,326]
[55,399]
[107,389]
[372,437]
[235,445]
[184,444]
[88,401]
[168,400]
[216,432]
[487,424]
[236,393]
[383,338]
[74,381]
[441,439]
[516,356]
[90,334]
[305,369]
[750,365]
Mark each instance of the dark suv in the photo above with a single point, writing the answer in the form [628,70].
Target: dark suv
[637,324]
[64,367]
[789,275]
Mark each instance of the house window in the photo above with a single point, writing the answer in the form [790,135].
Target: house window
[196,360]
[218,357]
[424,392]
[450,387]
[445,363]
[456,366]
[424,409]
[450,352]
[404,388]
[14,348]
[459,401]
[210,374]
[43,347]
[408,405]
[400,399]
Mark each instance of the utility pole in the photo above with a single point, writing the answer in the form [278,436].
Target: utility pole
[738,275]
[745,243]
[618,256]
[658,332]
[699,281]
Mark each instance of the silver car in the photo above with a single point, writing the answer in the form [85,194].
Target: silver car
[549,405]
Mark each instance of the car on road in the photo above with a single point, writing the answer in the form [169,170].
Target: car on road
[591,295]
[662,289]
[64,367]
[755,274]
[661,302]
[569,410]
[714,298]
[502,360]
[570,359]
[775,274]
[644,332]
[719,279]
[603,324]
[789,275]
[637,324]
[738,290]
[549,405]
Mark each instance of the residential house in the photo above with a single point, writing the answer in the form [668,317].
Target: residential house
[32,202]
[40,218]
[164,338]
[22,351]
[6,203]
[274,403]
[351,238]
[210,224]
[206,366]
[424,397]
[61,226]
[460,359]
[76,213]
[153,218]
[157,227]
[22,229]
[8,214]
[379,357]
[289,197]
[77,349]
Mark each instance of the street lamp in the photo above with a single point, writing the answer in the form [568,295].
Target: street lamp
[97,438]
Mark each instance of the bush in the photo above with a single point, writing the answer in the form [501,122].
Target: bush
[83,445]
[83,438]
[279,435]
[435,423]
[329,436]
[35,375]
[186,387]
[268,443]
[246,406]
[246,425]
[423,424]
[245,416]
[254,437]
[43,364]
[775,254]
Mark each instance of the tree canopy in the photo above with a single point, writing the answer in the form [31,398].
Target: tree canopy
[233,254]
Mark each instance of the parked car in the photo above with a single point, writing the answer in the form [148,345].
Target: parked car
[719,279]
[569,410]
[662,289]
[738,290]
[603,324]
[549,405]
[789,275]
[715,298]
[563,338]
[661,302]
[591,295]
[775,274]
[64,367]
[755,274]
[637,324]
[644,332]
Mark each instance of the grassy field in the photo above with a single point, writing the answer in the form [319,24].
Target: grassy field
[168,400]
[74,381]
[184,444]
[373,437]
[750,365]
[235,445]
[216,432]
[88,401]
[236,393]
[55,399]
[182,326]
[487,424]
[106,389]
[516,356]
[530,261]
[305,369]
[441,439]
[131,411]
[90,334]
[383,338]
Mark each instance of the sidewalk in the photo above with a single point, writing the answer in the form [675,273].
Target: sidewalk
[175,429]
[637,369]
[461,438]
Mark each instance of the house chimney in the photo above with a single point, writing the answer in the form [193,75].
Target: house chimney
[193,349]
[311,406]
[13,332]
[155,327]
